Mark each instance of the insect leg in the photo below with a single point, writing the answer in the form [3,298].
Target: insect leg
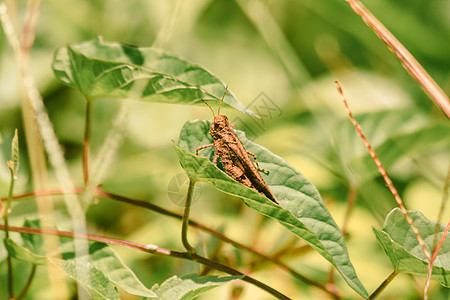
[215,158]
[256,162]
[203,147]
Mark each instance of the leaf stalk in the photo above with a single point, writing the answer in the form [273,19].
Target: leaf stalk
[185,219]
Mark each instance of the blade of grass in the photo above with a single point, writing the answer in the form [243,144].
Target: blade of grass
[38,117]
[408,61]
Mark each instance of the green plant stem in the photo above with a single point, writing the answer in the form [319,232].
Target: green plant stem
[219,235]
[87,135]
[153,249]
[27,284]
[8,258]
[185,219]
[8,203]
[383,285]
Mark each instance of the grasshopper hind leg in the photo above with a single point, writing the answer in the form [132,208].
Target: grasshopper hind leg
[256,163]
[203,147]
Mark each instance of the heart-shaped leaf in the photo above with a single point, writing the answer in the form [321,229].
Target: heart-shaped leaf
[401,246]
[102,69]
[302,210]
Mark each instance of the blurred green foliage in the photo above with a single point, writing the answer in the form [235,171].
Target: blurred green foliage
[292,51]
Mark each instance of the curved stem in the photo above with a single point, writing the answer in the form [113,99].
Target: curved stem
[383,285]
[153,249]
[27,284]
[185,219]
[87,135]
[231,271]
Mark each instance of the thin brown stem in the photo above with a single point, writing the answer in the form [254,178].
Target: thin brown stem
[153,249]
[383,285]
[408,61]
[160,210]
[43,193]
[165,212]
[384,174]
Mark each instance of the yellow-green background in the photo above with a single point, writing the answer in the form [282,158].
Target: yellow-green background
[292,50]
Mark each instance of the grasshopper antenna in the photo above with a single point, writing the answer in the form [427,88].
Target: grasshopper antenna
[221,101]
[209,107]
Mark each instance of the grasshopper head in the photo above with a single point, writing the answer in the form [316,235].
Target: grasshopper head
[220,122]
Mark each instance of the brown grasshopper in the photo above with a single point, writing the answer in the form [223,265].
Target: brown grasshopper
[234,157]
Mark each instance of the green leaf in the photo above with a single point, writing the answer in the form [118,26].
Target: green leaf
[101,256]
[106,261]
[33,242]
[109,263]
[102,69]
[189,287]
[21,253]
[98,285]
[302,210]
[401,246]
